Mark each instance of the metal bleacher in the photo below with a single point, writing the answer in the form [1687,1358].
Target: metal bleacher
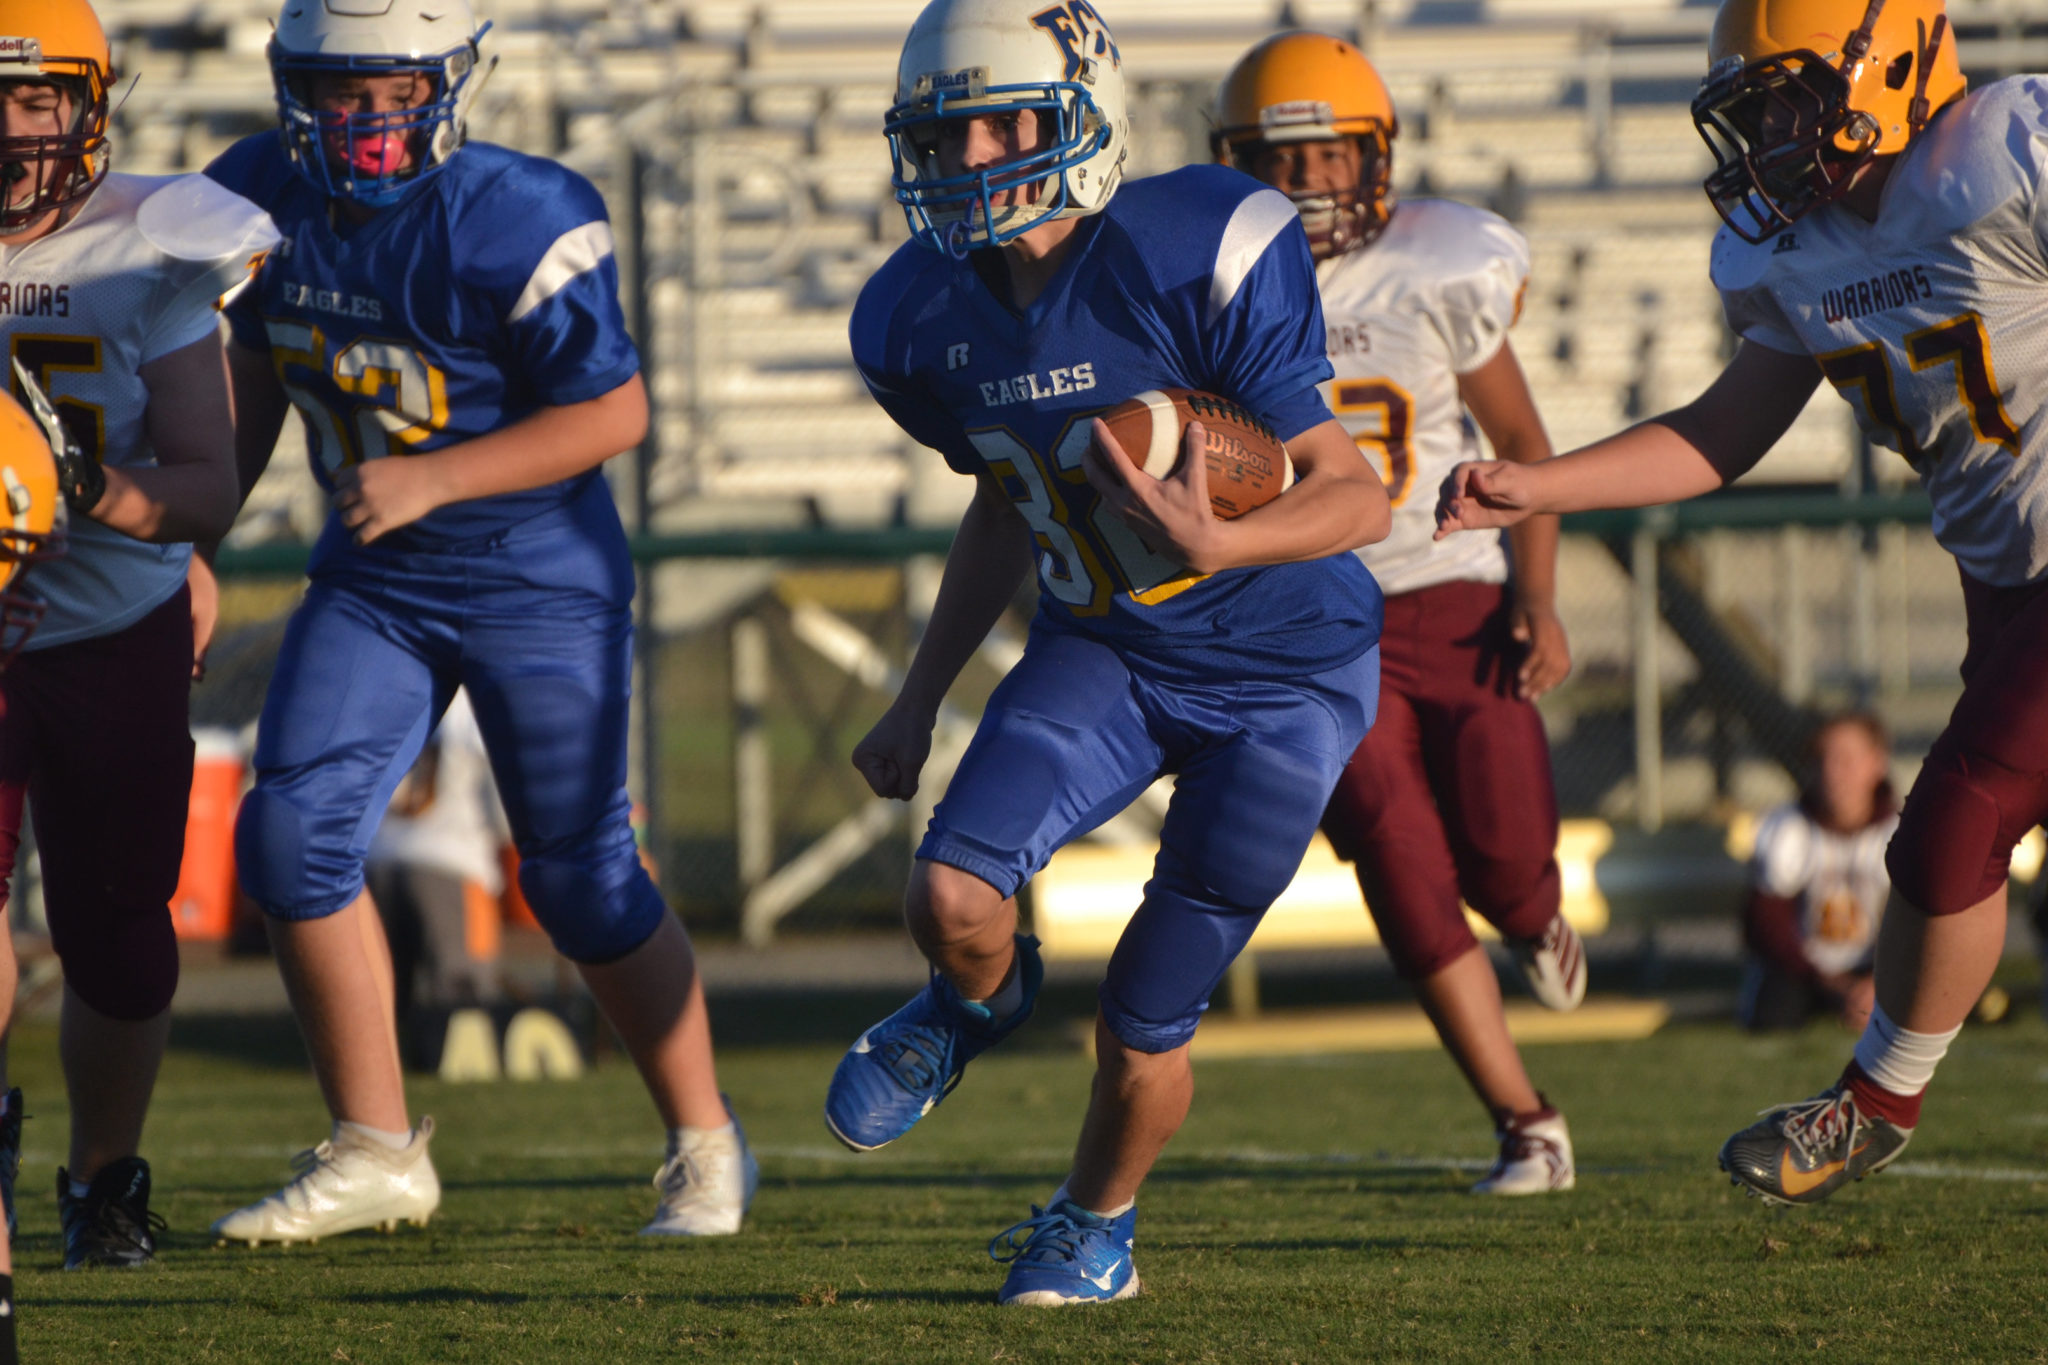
[741,138]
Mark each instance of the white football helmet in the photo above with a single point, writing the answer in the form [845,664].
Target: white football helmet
[969,58]
[361,156]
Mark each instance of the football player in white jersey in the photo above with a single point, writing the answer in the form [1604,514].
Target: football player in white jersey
[1888,233]
[1449,798]
[108,286]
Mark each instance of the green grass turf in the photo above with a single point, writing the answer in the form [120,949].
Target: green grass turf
[1305,1213]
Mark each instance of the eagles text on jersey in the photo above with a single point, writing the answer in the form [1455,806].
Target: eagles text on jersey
[1197,279]
[487,295]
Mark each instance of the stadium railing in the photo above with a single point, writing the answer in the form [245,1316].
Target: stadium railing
[1706,637]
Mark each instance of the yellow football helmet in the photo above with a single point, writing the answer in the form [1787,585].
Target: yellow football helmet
[32,519]
[1802,94]
[56,42]
[1303,87]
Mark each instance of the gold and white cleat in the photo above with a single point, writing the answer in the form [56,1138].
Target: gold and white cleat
[344,1184]
[706,1188]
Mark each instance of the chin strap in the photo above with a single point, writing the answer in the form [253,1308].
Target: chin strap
[1858,45]
[1918,113]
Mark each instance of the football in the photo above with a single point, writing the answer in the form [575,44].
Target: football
[1248,467]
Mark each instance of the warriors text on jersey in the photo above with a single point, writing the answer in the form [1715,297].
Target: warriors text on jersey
[493,294]
[1933,320]
[83,309]
[1198,279]
[1432,298]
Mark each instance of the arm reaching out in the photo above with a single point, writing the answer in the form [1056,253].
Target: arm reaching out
[1708,443]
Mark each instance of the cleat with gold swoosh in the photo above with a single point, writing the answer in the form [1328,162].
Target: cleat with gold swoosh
[1802,1153]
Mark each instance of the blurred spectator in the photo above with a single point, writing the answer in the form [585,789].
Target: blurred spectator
[1818,884]
[434,871]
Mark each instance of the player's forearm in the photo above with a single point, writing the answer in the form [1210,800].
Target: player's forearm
[1321,515]
[991,554]
[1533,544]
[1645,466]
[170,504]
[545,447]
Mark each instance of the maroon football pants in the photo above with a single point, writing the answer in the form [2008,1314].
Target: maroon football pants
[1450,795]
[1985,782]
[95,733]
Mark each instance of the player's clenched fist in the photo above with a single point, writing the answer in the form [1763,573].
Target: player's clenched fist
[892,755]
[380,496]
[1480,495]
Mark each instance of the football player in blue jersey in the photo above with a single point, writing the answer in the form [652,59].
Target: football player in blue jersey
[1239,655]
[446,322]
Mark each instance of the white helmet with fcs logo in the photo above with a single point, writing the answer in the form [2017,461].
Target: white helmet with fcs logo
[972,58]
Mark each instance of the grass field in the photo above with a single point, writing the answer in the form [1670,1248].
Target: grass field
[1313,1209]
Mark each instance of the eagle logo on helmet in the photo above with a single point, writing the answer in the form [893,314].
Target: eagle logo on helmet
[1081,34]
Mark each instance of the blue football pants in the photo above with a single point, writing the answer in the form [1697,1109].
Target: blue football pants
[1073,735]
[535,621]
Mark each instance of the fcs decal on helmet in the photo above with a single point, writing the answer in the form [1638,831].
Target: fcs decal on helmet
[1311,87]
[966,59]
[1803,94]
[1081,35]
[60,43]
[375,159]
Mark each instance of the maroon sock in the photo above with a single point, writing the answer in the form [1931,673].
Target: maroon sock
[1901,1111]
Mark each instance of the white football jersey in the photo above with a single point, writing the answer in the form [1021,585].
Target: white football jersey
[1838,879]
[1431,299]
[1933,320]
[83,309]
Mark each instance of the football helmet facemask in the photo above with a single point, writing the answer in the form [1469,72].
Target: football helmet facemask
[58,43]
[1311,87]
[968,59]
[1803,94]
[32,517]
[375,159]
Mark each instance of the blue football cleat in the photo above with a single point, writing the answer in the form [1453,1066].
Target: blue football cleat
[901,1068]
[1064,1255]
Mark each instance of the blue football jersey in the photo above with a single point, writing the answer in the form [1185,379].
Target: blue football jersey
[1198,279]
[488,294]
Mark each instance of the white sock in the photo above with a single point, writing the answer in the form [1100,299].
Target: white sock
[79,1188]
[1009,997]
[1119,1211]
[1899,1059]
[397,1142]
[688,1139]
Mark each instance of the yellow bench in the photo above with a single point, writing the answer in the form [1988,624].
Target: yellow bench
[1084,897]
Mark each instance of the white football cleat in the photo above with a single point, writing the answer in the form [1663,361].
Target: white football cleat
[1554,964]
[346,1183]
[706,1187]
[1535,1156]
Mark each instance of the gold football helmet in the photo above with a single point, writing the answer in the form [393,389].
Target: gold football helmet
[32,519]
[55,42]
[1303,87]
[1802,94]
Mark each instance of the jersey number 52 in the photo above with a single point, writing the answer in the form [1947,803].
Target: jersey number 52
[405,400]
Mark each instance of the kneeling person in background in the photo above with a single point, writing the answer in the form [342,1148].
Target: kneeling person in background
[1818,884]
